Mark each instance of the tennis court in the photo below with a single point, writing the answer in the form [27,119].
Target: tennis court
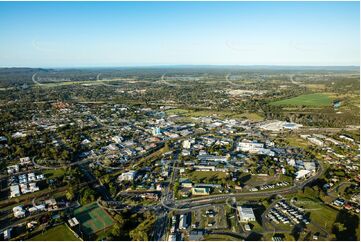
[92,218]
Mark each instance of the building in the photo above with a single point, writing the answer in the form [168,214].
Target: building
[172,237]
[315,141]
[200,191]
[183,224]
[156,131]
[13,169]
[247,146]
[25,160]
[127,176]
[302,174]
[245,214]
[7,234]
[14,191]
[188,143]
[73,222]
[184,182]
[204,168]
[19,212]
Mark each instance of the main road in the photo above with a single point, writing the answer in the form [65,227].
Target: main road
[180,204]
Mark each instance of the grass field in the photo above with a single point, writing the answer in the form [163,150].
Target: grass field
[60,232]
[315,99]
[92,218]
[206,176]
[50,174]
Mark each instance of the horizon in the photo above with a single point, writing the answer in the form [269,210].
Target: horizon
[128,34]
[179,66]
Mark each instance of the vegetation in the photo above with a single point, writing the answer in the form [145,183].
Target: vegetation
[58,233]
[314,99]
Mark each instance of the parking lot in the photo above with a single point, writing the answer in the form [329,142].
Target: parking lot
[284,213]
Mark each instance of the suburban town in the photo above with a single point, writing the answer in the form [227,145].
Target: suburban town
[180,121]
[117,170]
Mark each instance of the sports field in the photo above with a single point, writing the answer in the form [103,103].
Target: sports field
[92,218]
[60,232]
[314,99]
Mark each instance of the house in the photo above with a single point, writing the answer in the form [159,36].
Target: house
[185,152]
[7,234]
[19,212]
[13,169]
[73,222]
[156,131]
[245,214]
[197,191]
[14,191]
[37,208]
[25,160]
[315,141]
[188,143]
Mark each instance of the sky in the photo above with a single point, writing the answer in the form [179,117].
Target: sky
[101,34]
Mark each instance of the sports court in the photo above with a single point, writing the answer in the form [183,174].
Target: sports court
[92,218]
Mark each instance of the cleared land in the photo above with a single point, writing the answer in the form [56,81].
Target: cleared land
[58,233]
[314,99]
[92,218]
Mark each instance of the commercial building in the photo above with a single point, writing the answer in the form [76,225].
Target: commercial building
[200,191]
[245,214]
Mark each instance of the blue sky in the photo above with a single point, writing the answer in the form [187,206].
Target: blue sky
[76,34]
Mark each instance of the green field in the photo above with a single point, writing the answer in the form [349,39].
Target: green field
[60,232]
[315,99]
[92,218]
[206,176]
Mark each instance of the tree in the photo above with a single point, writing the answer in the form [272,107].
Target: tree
[70,194]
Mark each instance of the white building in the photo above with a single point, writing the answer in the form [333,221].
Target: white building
[183,222]
[302,174]
[127,176]
[14,191]
[310,166]
[156,131]
[25,160]
[19,212]
[315,141]
[7,234]
[172,237]
[187,144]
[245,214]
[13,169]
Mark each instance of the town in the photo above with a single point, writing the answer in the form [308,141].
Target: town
[118,159]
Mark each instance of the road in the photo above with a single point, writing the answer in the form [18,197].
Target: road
[220,197]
